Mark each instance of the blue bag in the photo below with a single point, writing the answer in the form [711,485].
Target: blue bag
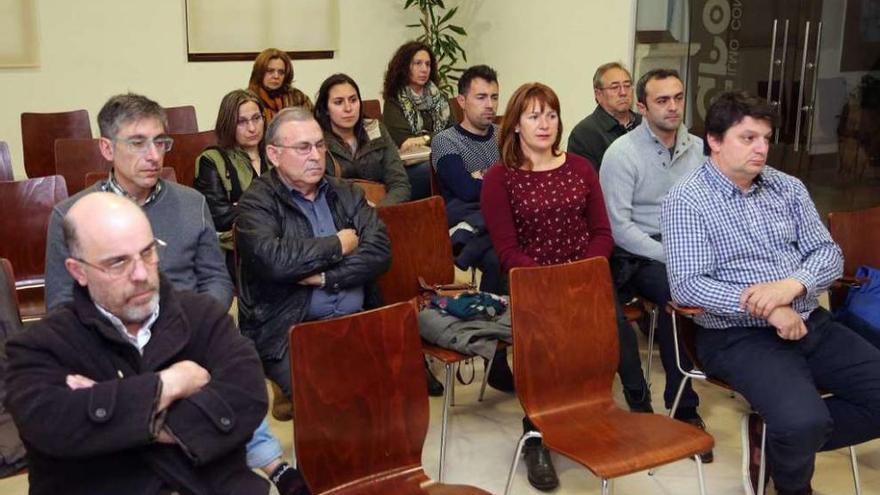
[861,311]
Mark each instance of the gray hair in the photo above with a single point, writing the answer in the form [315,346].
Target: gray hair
[289,114]
[602,69]
[130,107]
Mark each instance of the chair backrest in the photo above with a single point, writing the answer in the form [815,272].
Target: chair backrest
[455,109]
[90,178]
[5,162]
[27,204]
[10,316]
[360,407]
[182,157]
[565,347]
[182,120]
[420,247]
[74,158]
[39,132]
[858,233]
[372,109]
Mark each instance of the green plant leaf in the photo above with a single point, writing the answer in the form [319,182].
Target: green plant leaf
[458,30]
[448,15]
[408,4]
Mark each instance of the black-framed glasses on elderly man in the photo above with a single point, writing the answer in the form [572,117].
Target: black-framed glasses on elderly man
[140,145]
[123,265]
[303,148]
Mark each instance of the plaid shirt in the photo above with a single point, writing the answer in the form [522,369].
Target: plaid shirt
[720,240]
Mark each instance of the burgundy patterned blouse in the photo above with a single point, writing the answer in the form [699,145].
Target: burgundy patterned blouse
[548,217]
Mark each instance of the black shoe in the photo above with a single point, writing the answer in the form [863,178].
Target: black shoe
[752,431]
[500,376]
[542,474]
[289,481]
[639,401]
[708,456]
[435,388]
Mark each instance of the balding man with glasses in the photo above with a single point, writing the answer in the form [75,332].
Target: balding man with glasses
[133,138]
[311,247]
[612,118]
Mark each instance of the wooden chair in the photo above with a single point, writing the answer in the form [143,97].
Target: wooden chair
[455,109]
[360,422]
[74,158]
[685,333]
[181,120]
[9,311]
[564,373]
[39,132]
[420,247]
[5,162]
[372,109]
[858,234]
[23,240]
[182,157]
[168,174]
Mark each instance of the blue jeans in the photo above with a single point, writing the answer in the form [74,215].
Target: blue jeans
[780,378]
[263,447]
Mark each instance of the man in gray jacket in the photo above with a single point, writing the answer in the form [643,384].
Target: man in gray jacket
[637,171]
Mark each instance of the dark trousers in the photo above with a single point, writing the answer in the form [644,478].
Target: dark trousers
[649,281]
[780,378]
[419,180]
[279,372]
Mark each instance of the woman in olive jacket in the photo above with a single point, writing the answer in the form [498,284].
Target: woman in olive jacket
[358,148]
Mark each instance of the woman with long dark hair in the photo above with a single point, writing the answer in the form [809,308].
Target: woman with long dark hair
[358,148]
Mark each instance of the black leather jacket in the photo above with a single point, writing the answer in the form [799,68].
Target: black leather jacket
[278,248]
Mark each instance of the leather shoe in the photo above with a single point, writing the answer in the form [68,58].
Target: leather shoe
[542,474]
[282,408]
[708,456]
[752,431]
[435,388]
[500,376]
[639,401]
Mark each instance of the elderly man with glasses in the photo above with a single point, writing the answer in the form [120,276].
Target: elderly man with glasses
[311,247]
[133,386]
[612,118]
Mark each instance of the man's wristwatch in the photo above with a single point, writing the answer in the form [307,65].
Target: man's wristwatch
[427,138]
[323,280]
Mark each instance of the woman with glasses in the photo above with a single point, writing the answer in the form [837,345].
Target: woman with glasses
[225,171]
[358,148]
[272,81]
[415,109]
[543,207]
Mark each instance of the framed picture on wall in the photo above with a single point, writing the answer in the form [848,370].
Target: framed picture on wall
[221,30]
[19,34]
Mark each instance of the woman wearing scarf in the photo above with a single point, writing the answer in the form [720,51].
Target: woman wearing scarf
[415,109]
[272,81]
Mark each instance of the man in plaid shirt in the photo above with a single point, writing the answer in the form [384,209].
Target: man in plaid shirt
[744,242]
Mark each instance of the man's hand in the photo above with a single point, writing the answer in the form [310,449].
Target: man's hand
[311,280]
[412,143]
[349,240]
[165,437]
[761,299]
[180,380]
[477,174]
[78,382]
[788,323]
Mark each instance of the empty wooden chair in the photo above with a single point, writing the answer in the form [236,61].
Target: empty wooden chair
[91,178]
[858,234]
[181,120]
[74,158]
[183,154]
[5,162]
[23,240]
[39,132]
[360,424]
[565,357]
[372,109]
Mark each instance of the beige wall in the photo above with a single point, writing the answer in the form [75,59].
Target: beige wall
[93,49]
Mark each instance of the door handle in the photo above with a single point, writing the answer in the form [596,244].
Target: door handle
[815,68]
[778,103]
[772,63]
[799,108]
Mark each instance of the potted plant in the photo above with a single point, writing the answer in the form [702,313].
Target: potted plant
[442,36]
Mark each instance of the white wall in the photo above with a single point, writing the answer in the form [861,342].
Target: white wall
[96,48]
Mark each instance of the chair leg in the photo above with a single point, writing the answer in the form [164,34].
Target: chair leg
[674,408]
[607,486]
[700,479]
[651,346]
[513,465]
[763,466]
[444,425]
[487,369]
[855,470]
[451,384]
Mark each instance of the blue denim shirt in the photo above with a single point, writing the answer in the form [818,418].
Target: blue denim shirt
[326,304]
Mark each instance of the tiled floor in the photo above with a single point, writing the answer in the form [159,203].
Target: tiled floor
[483,437]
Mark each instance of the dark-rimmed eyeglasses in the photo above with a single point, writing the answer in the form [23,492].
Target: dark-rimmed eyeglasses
[140,145]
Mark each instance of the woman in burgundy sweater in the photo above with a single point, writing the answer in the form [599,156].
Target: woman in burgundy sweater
[545,207]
